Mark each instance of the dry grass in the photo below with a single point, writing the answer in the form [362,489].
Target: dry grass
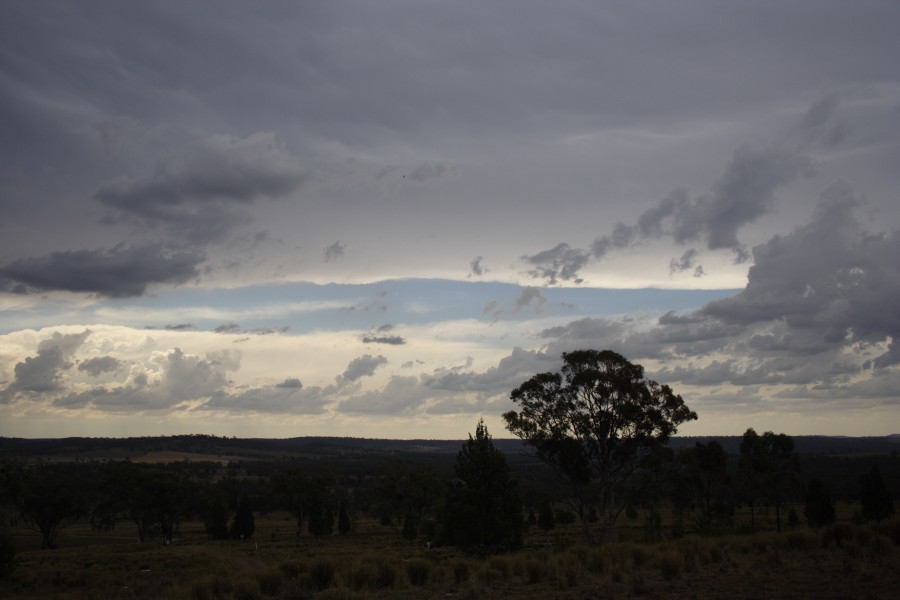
[845,561]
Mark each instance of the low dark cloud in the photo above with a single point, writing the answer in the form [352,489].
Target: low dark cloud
[476,269]
[745,192]
[99,365]
[392,340]
[230,327]
[363,366]
[560,262]
[200,199]
[120,272]
[335,251]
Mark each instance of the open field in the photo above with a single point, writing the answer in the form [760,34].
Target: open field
[843,561]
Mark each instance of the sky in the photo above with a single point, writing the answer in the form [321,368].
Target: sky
[377,219]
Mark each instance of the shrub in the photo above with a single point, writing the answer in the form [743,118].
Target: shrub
[292,569]
[373,575]
[269,581]
[671,563]
[567,570]
[839,533]
[321,574]
[535,570]
[802,541]
[461,571]
[417,570]
[246,588]
[501,565]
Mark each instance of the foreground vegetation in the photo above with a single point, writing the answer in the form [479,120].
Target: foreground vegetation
[843,560]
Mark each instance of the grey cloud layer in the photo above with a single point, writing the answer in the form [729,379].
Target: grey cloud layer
[118,272]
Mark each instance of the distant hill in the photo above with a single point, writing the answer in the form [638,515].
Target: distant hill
[209,447]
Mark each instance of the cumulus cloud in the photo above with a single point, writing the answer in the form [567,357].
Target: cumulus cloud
[120,272]
[363,366]
[43,372]
[169,379]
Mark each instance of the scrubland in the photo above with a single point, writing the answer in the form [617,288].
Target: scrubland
[844,560]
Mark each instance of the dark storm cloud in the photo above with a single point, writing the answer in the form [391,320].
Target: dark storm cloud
[99,365]
[119,272]
[828,277]
[201,199]
[819,308]
[43,372]
[744,193]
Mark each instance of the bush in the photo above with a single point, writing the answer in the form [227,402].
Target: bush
[269,581]
[417,571]
[671,563]
[535,570]
[462,571]
[321,575]
[292,569]
[373,575]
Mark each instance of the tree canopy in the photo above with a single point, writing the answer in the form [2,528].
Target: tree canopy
[595,423]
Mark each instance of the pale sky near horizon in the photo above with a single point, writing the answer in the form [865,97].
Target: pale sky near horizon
[376,219]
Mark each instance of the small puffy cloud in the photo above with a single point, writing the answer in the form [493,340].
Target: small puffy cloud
[99,365]
[179,327]
[335,251]
[560,262]
[530,297]
[476,269]
[363,366]
[120,272]
[381,335]
[231,327]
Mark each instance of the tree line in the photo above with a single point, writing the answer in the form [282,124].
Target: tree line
[599,426]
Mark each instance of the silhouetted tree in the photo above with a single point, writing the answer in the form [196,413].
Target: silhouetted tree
[818,507]
[243,526]
[483,510]
[595,424]
[411,488]
[769,470]
[546,519]
[52,497]
[875,498]
[343,519]
[215,515]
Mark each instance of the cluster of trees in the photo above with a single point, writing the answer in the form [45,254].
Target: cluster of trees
[599,424]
